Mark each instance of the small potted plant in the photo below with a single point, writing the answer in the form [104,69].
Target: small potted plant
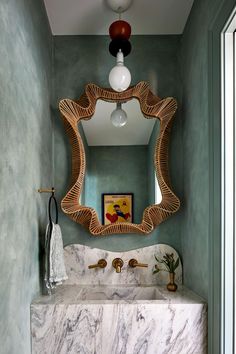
[170,265]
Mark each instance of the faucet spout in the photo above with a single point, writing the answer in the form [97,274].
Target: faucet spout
[117,263]
[118,269]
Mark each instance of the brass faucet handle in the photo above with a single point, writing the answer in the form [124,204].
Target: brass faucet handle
[102,263]
[133,263]
[117,263]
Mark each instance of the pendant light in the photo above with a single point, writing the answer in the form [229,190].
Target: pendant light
[119,77]
[118,116]
[119,47]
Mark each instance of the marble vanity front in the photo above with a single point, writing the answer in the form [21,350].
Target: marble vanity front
[126,317]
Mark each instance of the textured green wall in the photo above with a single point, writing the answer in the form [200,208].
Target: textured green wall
[201,229]
[79,60]
[196,65]
[195,220]
[117,169]
[25,165]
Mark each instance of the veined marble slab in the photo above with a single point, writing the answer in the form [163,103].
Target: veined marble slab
[79,257]
[99,311]
[176,323]
[76,294]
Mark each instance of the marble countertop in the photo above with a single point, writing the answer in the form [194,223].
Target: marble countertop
[71,295]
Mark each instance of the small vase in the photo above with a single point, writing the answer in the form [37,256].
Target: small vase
[171,286]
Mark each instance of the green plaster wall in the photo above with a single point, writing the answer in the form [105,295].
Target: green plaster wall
[79,60]
[197,156]
[117,169]
[201,234]
[195,220]
[25,165]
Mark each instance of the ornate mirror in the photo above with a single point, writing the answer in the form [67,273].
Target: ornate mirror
[152,108]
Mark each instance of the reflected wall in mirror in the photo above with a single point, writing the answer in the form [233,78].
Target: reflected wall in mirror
[129,159]
[120,160]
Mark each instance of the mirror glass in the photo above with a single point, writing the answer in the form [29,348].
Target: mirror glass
[120,159]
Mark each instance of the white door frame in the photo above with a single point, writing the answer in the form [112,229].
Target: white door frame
[228,192]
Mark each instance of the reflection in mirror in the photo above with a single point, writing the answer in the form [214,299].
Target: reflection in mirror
[120,159]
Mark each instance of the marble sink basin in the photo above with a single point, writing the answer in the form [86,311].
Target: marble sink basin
[104,294]
[120,293]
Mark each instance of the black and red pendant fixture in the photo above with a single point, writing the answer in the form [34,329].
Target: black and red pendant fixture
[120,46]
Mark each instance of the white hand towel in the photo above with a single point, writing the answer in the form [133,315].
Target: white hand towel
[56,272]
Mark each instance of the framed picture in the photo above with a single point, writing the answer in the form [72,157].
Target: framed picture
[117,207]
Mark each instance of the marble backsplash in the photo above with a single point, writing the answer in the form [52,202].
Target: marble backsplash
[79,257]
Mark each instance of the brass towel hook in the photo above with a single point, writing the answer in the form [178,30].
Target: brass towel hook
[46,190]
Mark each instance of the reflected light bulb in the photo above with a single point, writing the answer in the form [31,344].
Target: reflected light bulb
[119,116]
[119,77]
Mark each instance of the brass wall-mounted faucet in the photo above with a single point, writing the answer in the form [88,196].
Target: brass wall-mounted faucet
[102,263]
[117,264]
[133,263]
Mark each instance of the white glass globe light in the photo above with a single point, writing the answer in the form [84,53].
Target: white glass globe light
[118,116]
[119,6]
[119,77]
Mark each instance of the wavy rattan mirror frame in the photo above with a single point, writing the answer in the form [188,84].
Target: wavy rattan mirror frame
[152,107]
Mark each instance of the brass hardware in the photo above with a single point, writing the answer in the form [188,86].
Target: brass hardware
[134,263]
[102,263]
[52,190]
[117,264]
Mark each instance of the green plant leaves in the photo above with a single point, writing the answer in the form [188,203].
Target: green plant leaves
[176,263]
[156,271]
[158,260]
[168,261]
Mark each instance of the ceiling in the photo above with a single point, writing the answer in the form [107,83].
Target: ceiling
[99,130]
[93,17]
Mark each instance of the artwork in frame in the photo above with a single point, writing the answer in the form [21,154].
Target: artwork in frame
[117,207]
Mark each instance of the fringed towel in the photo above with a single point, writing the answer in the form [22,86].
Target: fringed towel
[55,271]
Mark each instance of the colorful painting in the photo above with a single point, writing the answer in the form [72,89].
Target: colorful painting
[117,208]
